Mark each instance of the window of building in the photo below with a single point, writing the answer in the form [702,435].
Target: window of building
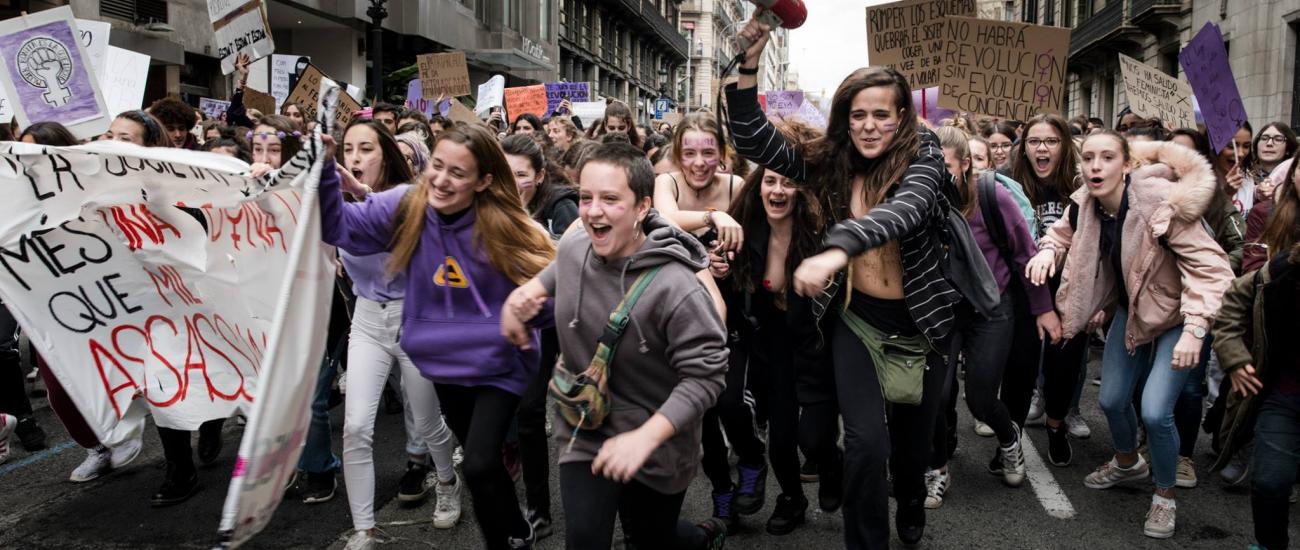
[136,11]
[544,20]
[1029,11]
[1008,8]
[1049,12]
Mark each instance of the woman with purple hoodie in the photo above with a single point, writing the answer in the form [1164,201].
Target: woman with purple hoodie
[463,241]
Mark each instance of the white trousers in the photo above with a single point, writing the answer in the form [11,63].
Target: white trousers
[372,350]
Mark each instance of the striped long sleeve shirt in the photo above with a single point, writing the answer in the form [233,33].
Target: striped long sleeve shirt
[913,213]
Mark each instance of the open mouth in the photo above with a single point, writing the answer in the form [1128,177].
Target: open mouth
[1095,181]
[357,173]
[778,203]
[1041,163]
[599,231]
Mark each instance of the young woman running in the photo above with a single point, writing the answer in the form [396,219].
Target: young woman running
[372,162]
[666,371]
[882,178]
[1137,246]
[463,240]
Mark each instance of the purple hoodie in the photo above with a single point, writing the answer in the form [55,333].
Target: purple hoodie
[450,324]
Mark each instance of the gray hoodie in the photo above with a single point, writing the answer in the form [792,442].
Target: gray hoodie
[672,359]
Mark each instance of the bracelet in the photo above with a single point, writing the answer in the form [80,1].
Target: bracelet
[708,217]
[748,72]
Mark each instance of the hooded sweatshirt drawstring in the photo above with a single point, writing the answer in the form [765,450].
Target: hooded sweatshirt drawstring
[585,258]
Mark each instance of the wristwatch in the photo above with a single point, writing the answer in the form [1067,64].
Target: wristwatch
[1196,331]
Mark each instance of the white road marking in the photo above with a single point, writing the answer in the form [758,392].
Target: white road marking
[1044,484]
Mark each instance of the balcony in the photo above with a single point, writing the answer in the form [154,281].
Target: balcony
[1150,15]
[1107,30]
[723,16]
[643,15]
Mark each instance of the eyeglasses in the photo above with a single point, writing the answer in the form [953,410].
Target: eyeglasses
[999,146]
[1272,139]
[1051,143]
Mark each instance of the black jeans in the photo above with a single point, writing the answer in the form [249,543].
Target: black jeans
[650,519]
[871,440]
[1061,366]
[731,413]
[772,374]
[1273,473]
[531,418]
[986,344]
[480,416]
[176,444]
[1021,373]
[13,387]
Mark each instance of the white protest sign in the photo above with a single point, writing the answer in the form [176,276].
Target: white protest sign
[284,75]
[589,111]
[6,109]
[94,38]
[276,429]
[490,94]
[47,73]
[1154,94]
[239,27]
[123,80]
[214,108]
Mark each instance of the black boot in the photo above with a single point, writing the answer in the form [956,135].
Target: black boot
[910,522]
[790,512]
[752,489]
[830,484]
[210,442]
[178,486]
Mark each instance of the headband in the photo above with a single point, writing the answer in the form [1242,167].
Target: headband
[250,135]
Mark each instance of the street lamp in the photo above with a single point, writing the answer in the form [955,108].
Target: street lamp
[377,13]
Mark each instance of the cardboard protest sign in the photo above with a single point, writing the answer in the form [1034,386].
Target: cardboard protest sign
[557,92]
[1205,62]
[458,112]
[926,103]
[443,74]
[94,38]
[589,111]
[490,94]
[1154,94]
[214,108]
[307,95]
[284,75]
[256,99]
[240,27]
[48,75]
[782,102]
[907,36]
[123,79]
[1006,70]
[525,99]
[673,119]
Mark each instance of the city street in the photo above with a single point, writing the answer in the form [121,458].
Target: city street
[41,509]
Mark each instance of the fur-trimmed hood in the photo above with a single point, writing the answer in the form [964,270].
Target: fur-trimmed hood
[1170,181]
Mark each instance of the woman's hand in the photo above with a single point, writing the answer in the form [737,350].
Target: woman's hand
[1187,352]
[527,301]
[623,455]
[350,185]
[1244,381]
[813,274]
[720,262]
[730,234]
[565,106]
[758,35]
[260,169]
[1049,326]
[241,66]
[514,330]
[1234,179]
[1041,267]
[1098,319]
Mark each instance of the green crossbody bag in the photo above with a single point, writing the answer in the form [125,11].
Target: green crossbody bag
[899,360]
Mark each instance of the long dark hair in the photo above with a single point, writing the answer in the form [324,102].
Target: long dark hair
[808,223]
[1066,178]
[1286,132]
[50,133]
[839,159]
[525,146]
[1282,231]
[395,171]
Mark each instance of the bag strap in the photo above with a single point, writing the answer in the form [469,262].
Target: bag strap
[997,228]
[619,318]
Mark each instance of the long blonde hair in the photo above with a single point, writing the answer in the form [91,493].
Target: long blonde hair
[514,245]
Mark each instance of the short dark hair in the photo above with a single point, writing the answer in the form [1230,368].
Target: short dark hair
[382,107]
[241,149]
[173,112]
[50,133]
[413,114]
[440,120]
[1097,121]
[640,175]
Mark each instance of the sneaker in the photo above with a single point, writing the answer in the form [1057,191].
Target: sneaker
[317,488]
[542,525]
[995,465]
[1012,458]
[412,487]
[30,435]
[722,508]
[446,510]
[752,490]
[525,543]
[7,425]
[1078,427]
[909,520]
[830,490]
[983,430]
[716,531]
[1145,452]
[1160,519]
[936,486]
[177,487]
[1238,469]
[790,512]
[361,540]
[1035,408]
[1186,472]
[1110,473]
[98,462]
[1059,452]
[125,453]
[808,472]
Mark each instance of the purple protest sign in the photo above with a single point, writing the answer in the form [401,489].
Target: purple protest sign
[926,103]
[415,100]
[1205,62]
[783,103]
[48,74]
[559,91]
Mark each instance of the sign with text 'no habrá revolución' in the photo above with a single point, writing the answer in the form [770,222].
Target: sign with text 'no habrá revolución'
[907,36]
[1005,70]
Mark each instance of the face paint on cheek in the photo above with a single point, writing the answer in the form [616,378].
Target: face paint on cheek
[888,127]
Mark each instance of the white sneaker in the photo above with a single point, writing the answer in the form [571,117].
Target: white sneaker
[446,512]
[1110,473]
[457,456]
[7,424]
[1077,425]
[1035,415]
[361,540]
[1161,518]
[126,452]
[936,486]
[1013,463]
[983,430]
[98,462]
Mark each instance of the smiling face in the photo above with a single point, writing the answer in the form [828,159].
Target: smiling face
[362,155]
[873,121]
[979,155]
[1043,149]
[609,210]
[999,149]
[1272,146]
[1227,158]
[525,177]
[266,146]
[778,193]
[125,129]
[699,158]
[1104,165]
[454,178]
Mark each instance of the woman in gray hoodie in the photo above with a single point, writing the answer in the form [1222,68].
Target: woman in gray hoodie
[668,370]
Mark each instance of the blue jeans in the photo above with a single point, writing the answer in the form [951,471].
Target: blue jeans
[317,455]
[1120,374]
[1273,472]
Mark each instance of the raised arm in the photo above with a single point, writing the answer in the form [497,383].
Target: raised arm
[755,137]
[361,228]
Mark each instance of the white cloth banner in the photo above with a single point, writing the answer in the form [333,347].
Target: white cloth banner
[240,27]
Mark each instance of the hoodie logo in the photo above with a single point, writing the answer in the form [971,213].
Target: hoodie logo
[450,274]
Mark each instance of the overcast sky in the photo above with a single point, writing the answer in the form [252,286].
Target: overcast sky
[831,43]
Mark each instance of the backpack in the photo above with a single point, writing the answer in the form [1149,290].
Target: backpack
[964,266]
[1018,194]
[988,200]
